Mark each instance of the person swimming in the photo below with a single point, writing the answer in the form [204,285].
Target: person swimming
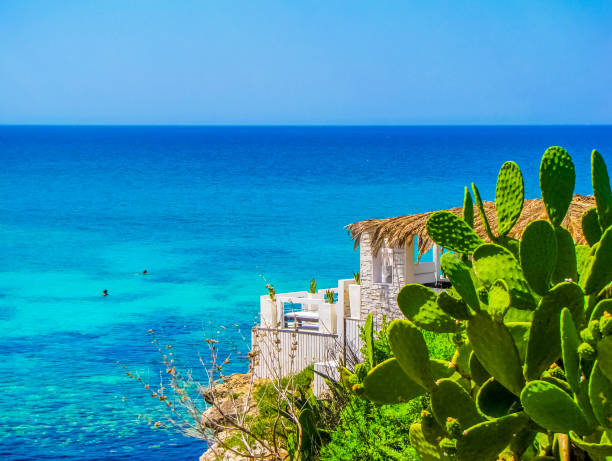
[144,272]
[105,293]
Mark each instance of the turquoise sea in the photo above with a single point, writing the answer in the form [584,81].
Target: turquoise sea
[212,214]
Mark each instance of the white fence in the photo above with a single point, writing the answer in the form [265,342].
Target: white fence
[282,352]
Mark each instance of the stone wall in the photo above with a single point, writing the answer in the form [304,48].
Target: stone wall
[379,298]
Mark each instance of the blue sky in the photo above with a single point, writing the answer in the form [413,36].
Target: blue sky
[305,62]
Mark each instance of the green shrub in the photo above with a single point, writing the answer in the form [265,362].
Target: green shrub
[367,431]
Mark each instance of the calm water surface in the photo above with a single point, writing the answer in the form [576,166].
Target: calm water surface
[211,213]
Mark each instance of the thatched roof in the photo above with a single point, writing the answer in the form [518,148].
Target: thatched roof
[398,230]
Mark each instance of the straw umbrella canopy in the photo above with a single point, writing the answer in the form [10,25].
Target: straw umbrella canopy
[396,232]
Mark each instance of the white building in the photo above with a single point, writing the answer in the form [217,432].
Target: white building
[299,329]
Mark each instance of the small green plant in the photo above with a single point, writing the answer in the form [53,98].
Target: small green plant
[271,292]
[531,375]
[369,432]
[313,286]
[357,277]
[331,296]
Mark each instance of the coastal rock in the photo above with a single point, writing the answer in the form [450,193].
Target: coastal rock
[231,399]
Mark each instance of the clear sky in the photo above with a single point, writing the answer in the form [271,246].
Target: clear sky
[305,62]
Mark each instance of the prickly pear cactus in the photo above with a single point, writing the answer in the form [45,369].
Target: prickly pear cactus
[509,197]
[532,319]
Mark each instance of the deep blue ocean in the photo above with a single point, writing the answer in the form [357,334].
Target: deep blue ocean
[212,214]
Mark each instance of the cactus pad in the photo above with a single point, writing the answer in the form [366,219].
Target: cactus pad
[591,228]
[520,334]
[347,378]
[387,383]
[598,270]
[368,330]
[432,431]
[494,400]
[460,277]
[493,262]
[495,349]
[483,215]
[452,232]
[477,371]
[604,355]
[450,400]
[566,257]
[454,307]
[544,346]
[569,350]
[419,304]
[468,208]
[518,315]
[539,255]
[557,180]
[509,197]
[411,352]
[499,299]
[441,369]
[597,451]
[601,307]
[553,409]
[601,189]
[583,256]
[484,441]
[600,397]
[427,451]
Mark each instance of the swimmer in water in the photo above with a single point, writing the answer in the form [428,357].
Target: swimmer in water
[105,293]
[144,272]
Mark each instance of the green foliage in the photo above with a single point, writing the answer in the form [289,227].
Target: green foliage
[539,255]
[271,406]
[411,352]
[387,383]
[461,277]
[450,400]
[590,227]
[557,178]
[494,346]
[368,333]
[468,209]
[419,304]
[509,197]
[368,432]
[552,408]
[567,266]
[331,296]
[357,277]
[483,215]
[531,324]
[493,262]
[313,286]
[601,190]
[487,439]
[598,270]
[544,345]
[494,400]
[452,232]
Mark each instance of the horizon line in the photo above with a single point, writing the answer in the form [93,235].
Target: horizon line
[299,125]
